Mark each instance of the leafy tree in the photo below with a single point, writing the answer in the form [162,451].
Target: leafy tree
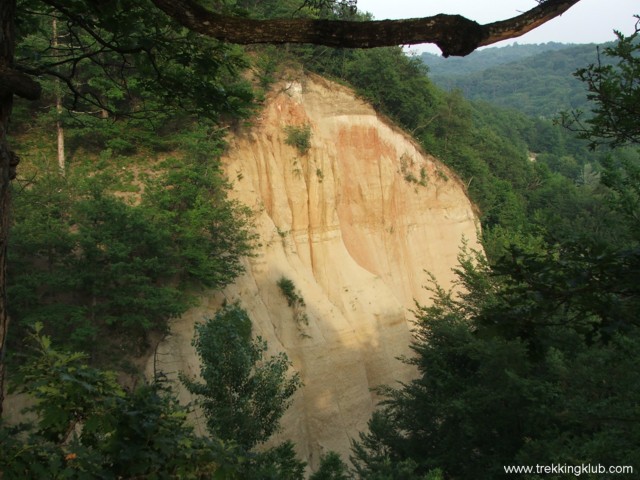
[208,233]
[276,463]
[121,267]
[524,366]
[129,60]
[96,268]
[87,426]
[331,468]
[614,92]
[243,394]
[104,266]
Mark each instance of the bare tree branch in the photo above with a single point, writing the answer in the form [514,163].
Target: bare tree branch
[87,27]
[454,34]
[15,82]
[530,20]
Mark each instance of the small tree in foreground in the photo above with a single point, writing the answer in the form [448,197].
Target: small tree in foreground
[87,426]
[243,394]
[615,92]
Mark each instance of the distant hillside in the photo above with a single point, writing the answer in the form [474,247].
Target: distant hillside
[486,58]
[539,84]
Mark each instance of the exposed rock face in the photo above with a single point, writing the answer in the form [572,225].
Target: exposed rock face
[354,223]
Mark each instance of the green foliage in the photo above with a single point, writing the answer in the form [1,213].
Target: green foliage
[534,358]
[61,404]
[288,289]
[395,84]
[89,264]
[276,463]
[537,84]
[423,177]
[294,300]
[408,175]
[97,267]
[615,93]
[120,264]
[373,460]
[130,60]
[87,426]
[331,468]
[208,233]
[243,394]
[503,369]
[86,259]
[299,137]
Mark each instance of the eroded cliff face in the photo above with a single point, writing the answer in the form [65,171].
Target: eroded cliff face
[354,223]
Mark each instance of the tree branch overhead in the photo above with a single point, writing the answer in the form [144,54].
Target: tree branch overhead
[454,34]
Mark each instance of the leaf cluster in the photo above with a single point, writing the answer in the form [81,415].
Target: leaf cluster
[298,137]
[243,393]
[288,289]
[127,58]
[87,426]
[615,94]
[89,264]
[533,360]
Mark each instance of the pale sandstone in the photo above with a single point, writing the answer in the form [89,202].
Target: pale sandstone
[354,236]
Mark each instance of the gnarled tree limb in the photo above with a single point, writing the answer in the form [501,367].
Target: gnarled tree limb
[454,34]
[13,82]
[518,26]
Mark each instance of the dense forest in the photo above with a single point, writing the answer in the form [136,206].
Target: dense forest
[533,361]
[486,58]
[536,80]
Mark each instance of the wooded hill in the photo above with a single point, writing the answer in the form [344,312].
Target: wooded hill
[534,79]
[481,60]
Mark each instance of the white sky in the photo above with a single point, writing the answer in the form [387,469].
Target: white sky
[587,21]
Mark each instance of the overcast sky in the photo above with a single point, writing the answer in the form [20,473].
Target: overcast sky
[587,21]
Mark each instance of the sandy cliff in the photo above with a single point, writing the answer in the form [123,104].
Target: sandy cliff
[353,223]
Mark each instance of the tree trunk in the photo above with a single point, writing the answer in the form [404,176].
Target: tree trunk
[12,82]
[7,164]
[60,130]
